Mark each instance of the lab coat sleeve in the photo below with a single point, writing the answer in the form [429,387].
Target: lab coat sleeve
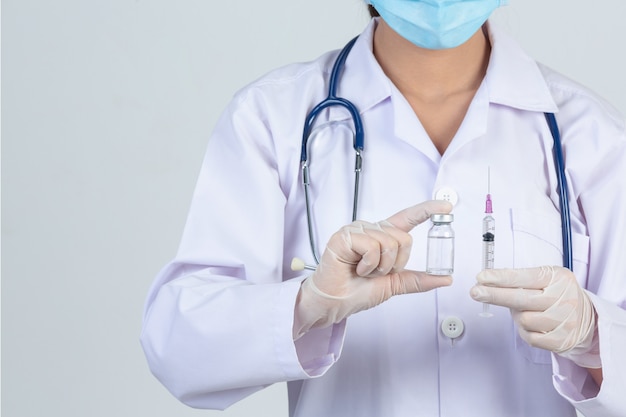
[596,166]
[218,319]
[575,383]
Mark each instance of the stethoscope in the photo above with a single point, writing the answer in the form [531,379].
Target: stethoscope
[333,100]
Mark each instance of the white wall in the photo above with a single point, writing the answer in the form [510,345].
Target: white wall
[106,109]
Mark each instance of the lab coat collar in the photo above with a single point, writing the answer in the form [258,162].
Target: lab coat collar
[363,81]
[513,78]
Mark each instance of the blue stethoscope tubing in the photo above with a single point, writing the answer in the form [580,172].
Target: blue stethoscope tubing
[559,163]
[332,101]
[358,145]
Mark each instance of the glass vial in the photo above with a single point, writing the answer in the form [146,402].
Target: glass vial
[440,247]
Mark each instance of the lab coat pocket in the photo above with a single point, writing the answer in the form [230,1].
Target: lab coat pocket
[537,241]
[532,354]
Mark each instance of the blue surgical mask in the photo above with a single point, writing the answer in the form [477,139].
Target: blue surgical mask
[436,24]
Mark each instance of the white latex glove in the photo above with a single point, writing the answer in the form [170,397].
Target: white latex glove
[363,266]
[551,310]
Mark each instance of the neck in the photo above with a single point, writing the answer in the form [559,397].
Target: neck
[431,75]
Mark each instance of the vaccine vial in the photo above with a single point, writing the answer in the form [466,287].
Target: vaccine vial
[440,246]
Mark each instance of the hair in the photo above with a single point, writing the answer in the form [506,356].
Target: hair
[372,10]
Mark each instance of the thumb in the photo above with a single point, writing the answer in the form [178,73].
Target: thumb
[408,282]
[410,217]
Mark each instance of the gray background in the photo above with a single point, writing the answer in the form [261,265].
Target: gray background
[107,106]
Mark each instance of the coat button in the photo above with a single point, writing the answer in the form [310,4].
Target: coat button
[447,194]
[452,327]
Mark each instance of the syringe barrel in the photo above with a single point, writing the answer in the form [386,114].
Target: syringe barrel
[489,226]
[488,255]
[489,236]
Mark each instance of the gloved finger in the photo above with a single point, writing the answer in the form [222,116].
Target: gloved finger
[532,338]
[378,251]
[408,282]
[530,278]
[515,298]
[543,340]
[534,321]
[410,217]
[559,331]
[367,245]
[340,244]
[404,241]
[383,247]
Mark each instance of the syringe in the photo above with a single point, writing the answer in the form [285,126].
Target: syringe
[489,234]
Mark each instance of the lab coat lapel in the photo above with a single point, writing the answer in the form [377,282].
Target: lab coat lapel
[363,81]
[409,129]
[474,124]
[513,78]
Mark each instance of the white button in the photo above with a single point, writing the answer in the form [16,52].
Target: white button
[452,327]
[447,194]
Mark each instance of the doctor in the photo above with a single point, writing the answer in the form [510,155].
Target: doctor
[444,96]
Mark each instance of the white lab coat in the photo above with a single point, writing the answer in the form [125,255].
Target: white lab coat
[218,319]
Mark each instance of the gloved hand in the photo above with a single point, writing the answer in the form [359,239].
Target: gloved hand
[363,266]
[551,310]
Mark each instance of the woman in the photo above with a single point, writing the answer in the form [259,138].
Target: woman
[444,102]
